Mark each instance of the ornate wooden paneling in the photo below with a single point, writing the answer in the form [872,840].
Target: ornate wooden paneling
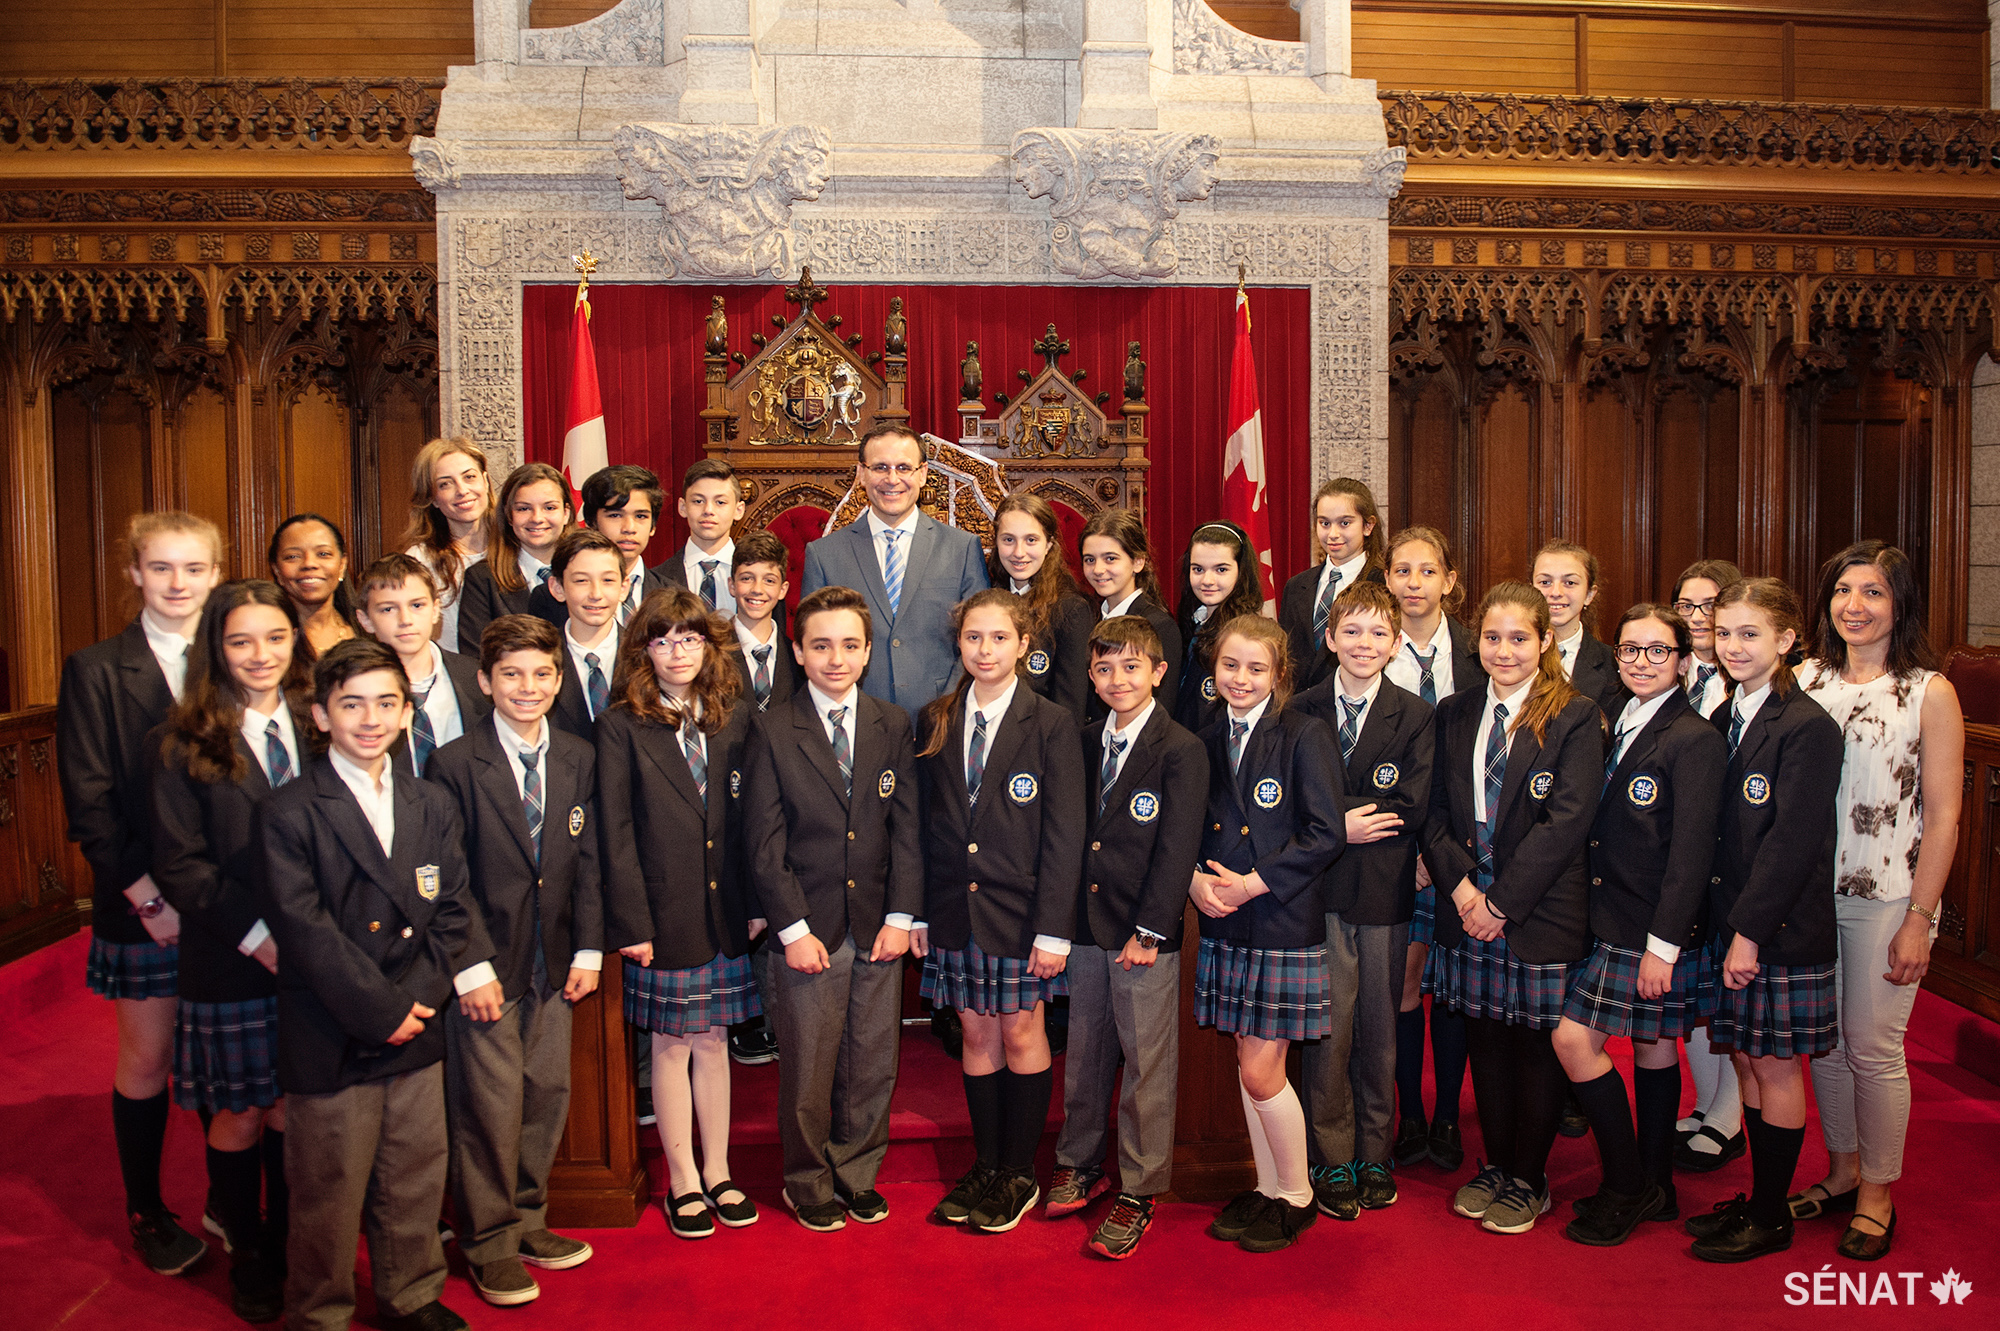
[1965,960]
[246,38]
[42,876]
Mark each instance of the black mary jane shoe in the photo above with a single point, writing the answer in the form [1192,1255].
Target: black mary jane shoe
[1862,1246]
[1690,1161]
[734,1214]
[1806,1206]
[697,1225]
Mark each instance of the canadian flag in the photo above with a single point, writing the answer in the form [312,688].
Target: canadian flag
[1243,500]
[583,439]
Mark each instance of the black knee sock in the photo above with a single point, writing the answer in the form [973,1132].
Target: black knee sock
[1774,1158]
[1024,1097]
[1656,1104]
[235,1179]
[1604,1104]
[277,1196]
[1492,1089]
[1410,1063]
[1541,1089]
[982,1098]
[140,1128]
[1447,1062]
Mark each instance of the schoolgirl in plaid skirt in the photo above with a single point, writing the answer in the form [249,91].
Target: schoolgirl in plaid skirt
[1519,772]
[1649,978]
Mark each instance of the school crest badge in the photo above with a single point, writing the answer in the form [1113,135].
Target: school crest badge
[1541,783]
[1643,791]
[1208,689]
[576,820]
[1022,788]
[1386,776]
[1038,663]
[1268,793]
[1145,806]
[1757,788]
[885,785]
[735,784]
[427,881]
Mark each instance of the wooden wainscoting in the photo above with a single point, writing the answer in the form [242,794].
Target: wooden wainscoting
[44,883]
[1965,962]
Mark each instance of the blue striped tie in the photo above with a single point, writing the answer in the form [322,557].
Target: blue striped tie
[708,567]
[892,570]
[1702,674]
[697,756]
[531,797]
[595,685]
[1324,610]
[1108,776]
[975,757]
[277,759]
[1427,685]
[1735,730]
[1350,727]
[841,753]
[1496,779]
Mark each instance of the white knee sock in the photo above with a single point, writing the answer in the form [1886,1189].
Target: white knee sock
[1260,1144]
[1285,1131]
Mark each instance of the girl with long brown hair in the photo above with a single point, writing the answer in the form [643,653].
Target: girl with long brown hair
[451,520]
[1348,548]
[1117,560]
[534,510]
[1219,582]
[1026,559]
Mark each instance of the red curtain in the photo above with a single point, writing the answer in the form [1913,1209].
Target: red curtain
[649,349]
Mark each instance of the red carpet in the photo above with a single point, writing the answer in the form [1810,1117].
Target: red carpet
[1413,1265]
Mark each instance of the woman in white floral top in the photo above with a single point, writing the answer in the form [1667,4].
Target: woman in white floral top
[1900,783]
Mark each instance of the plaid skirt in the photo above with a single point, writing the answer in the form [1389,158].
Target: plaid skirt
[1488,980]
[1422,919]
[1606,996]
[1784,1012]
[133,970]
[1268,993]
[226,1055]
[972,981]
[720,992]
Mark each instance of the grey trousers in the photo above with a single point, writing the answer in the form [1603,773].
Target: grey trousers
[1136,1013]
[507,1092]
[1348,1079]
[371,1157]
[838,1035]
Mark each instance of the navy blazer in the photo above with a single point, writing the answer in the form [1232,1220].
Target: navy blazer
[1279,814]
[673,863]
[1310,660]
[1774,855]
[1596,674]
[363,935]
[1006,870]
[915,658]
[1376,884]
[1143,836]
[1548,800]
[473,704]
[205,858]
[480,602]
[1200,703]
[1653,842]
[840,862]
[1058,667]
[112,695]
[517,887]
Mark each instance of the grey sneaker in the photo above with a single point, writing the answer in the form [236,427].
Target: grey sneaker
[1073,1188]
[505,1283]
[1118,1237]
[553,1252]
[1472,1200]
[1515,1208]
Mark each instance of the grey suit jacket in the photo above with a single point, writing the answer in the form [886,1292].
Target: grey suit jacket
[914,657]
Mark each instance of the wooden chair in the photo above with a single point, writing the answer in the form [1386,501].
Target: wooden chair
[1975,673]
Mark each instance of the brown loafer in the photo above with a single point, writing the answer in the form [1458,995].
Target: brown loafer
[1863,1246]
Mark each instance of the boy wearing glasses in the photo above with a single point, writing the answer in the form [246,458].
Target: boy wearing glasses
[911,569]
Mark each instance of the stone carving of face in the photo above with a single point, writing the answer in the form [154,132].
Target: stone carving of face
[811,172]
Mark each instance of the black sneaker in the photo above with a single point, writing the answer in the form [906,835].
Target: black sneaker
[1447,1150]
[867,1208]
[819,1217]
[256,1290]
[432,1316]
[1573,1122]
[1279,1226]
[1236,1218]
[1611,1217]
[1669,1208]
[753,1047]
[1336,1192]
[1013,1194]
[1717,1219]
[163,1245]
[646,1116]
[1377,1184]
[1412,1143]
[957,1205]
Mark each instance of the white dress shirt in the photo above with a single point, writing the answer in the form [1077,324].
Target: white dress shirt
[170,649]
[531,569]
[724,556]
[1106,610]
[253,727]
[1567,648]
[1130,734]
[1367,701]
[634,593]
[747,637]
[1350,573]
[1515,700]
[511,744]
[1406,671]
[1253,716]
[1748,704]
[440,703]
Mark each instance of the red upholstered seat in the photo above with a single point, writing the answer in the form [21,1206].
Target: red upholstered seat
[796,527]
[1975,673]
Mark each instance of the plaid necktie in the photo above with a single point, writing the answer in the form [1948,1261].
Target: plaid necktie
[975,757]
[697,756]
[277,760]
[1611,758]
[1114,745]
[596,685]
[1427,685]
[1237,731]
[1496,777]
[1350,727]
[531,797]
[760,679]
[708,567]
[1702,674]
[423,738]
[1324,610]
[892,570]
[841,753]
[1735,730]
[631,602]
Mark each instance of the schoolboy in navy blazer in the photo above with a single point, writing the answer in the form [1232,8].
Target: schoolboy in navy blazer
[1136,866]
[1653,843]
[1375,884]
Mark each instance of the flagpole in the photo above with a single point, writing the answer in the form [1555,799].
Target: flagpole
[584,448]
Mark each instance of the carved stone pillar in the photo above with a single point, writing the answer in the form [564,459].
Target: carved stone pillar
[496,36]
[722,65]
[1119,41]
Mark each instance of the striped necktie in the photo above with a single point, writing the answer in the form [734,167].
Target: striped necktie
[1495,768]
[277,759]
[423,737]
[531,797]
[1427,685]
[1114,746]
[1237,731]
[892,570]
[708,567]
[630,605]
[760,679]
[975,757]
[1735,729]
[1702,674]
[596,685]
[697,755]
[842,754]
[1350,726]
[1614,754]
[1324,610]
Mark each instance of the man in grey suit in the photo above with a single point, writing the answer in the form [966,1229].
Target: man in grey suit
[912,569]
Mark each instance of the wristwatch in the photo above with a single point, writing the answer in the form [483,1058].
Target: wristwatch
[151,910]
[1148,939]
